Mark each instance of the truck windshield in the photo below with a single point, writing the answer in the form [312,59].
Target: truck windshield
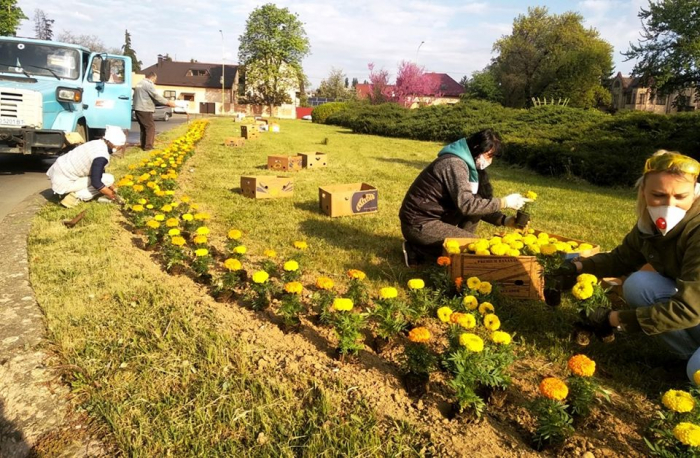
[39,59]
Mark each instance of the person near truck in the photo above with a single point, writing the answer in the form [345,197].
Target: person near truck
[145,99]
[451,195]
[79,175]
[664,301]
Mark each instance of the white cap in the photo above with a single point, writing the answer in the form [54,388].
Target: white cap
[115,136]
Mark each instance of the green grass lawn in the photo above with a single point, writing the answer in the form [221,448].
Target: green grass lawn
[166,376]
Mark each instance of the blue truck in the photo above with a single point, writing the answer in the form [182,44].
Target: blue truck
[55,96]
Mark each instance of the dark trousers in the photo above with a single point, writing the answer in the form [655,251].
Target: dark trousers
[427,238]
[148,129]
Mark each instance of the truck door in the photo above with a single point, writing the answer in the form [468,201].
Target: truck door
[107,91]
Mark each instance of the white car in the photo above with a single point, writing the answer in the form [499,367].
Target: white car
[182,106]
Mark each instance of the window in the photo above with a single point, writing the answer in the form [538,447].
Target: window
[628,99]
[616,84]
[197,72]
[661,99]
[642,99]
[170,95]
[116,71]
[94,74]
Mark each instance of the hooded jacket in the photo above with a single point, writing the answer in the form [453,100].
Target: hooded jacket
[675,255]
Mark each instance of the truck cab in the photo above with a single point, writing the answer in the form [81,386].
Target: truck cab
[55,96]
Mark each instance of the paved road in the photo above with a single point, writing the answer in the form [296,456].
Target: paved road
[21,177]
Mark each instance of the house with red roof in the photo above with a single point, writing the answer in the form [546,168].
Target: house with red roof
[449,91]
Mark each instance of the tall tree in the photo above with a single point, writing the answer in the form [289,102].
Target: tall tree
[354,83]
[380,89]
[127,50]
[333,87]
[482,85]
[271,50]
[43,26]
[92,42]
[10,17]
[669,51]
[552,56]
[413,85]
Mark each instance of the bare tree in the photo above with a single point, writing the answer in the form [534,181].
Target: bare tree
[92,42]
[43,26]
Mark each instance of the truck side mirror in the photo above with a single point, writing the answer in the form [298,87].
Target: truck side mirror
[105,70]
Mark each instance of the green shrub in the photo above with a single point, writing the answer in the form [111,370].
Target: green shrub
[321,112]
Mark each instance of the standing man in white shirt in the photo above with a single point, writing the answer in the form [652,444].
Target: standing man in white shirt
[145,98]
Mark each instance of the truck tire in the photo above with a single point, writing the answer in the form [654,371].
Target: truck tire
[82,130]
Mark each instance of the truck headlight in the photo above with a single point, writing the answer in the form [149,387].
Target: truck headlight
[67,94]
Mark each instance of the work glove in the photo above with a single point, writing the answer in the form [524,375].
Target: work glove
[566,269]
[599,322]
[514,201]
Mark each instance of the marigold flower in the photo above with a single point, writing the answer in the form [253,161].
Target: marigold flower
[137,208]
[585,247]
[548,249]
[554,388]
[687,433]
[342,304]
[173,232]
[388,292]
[201,216]
[200,239]
[470,302]
[166,208]
[153,224]
[142,201]
[416,283]
[234,234]
[500,337]
[201,252]
[465,320]
[203,230]
[356,274]
[419,335]
[149,206]
[458,283]
[260,277]
[452,247]
[178,241]
[233,264]
[293,287]
[582,291]
[581,365]
[486,307]
[291,266]
[472,342]
[443,261]
[531,195]
[485,288]
[696,377]
[492,322]
[240,249]
[301,245]
[172,222]
[187,217]
[587,278]
[678,400]
[159,217]
[324,283]
[444,314]
[473,283]
[270,253]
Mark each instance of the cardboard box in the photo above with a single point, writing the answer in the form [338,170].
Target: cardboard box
[234,141]
[314,160]
[517,276]
[347,199]
[284,163]
[267,187]
[250,132]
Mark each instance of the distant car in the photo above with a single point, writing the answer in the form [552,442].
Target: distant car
[306,117]
[182,106]
[162,113]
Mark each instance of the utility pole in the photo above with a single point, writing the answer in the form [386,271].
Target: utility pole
[223,76]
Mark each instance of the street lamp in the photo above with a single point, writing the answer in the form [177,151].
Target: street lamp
[222,71]
[421,44]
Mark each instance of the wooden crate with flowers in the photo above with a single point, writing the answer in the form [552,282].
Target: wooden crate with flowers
[516,261]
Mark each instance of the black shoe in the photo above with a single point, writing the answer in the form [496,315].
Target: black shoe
[410,257]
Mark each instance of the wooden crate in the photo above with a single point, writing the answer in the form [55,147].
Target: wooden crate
[234,141]
[314,160]
[250,132]
[284,163]
[267,187]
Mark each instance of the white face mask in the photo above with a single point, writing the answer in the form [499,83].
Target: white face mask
[481,162]
[665,218]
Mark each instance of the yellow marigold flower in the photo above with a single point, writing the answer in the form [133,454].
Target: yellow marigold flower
[419,335]
[137,208]
[587,278]
[203,230]
[233,264]
[582,291]
[270,253]
[483,253]
[301,245]
[572,243]
[240,249]
[293,287]
[159,193]
[485,288]
[324,283]
[200,239]
[472,342]
[201,216]
[554,388]
[291,266]
[465,320]
[201,252]
[696,377]
[486,307]
[500,337]
[159,217]
[153,224]
[481,244]
[342,304]
[495,241]
[178,241]
[687,433]
[513,253]
[234,234]
[471,247]
[172,222]
[169,193]
[166,208]
[260,277]
[499,249]
[492,322]
[581,365]
[416,283]
[534,248]
[585,246]
[187,217]
[444,314]
[529,239]
[470,302]
[548,249]
[149,206]
[473,283]
[388,292]
[452,247]
[173,232]
[678,400]
[356,274]
[443,261]
[531,195]
[142,201]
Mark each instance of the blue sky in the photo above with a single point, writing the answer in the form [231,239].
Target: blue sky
[456,36]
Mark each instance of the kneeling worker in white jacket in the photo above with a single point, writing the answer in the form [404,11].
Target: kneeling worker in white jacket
[80,173]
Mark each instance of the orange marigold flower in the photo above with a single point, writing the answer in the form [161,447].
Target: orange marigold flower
[444,261]
[554,388]
[356,274]
[324,283]
[581,365]
[458,283]
[419,335]
[293,287]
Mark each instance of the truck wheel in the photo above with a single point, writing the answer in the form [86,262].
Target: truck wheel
[82,130]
